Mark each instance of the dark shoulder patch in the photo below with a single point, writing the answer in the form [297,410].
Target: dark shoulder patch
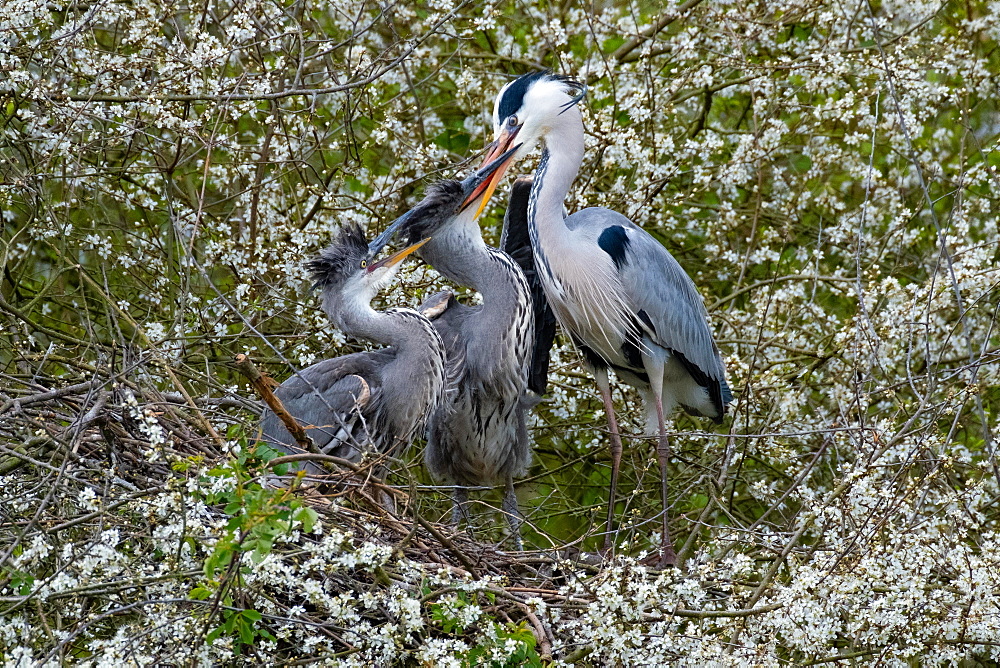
[513,97]
[615,242]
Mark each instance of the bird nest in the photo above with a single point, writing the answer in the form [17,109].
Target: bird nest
[134,529]
[146,526]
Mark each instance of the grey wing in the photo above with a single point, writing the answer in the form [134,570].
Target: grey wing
[516,242]
[450,323]
[331,400]
[666,302]
[436,304]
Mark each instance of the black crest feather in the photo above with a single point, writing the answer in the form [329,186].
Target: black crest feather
[340,259]
[513,97]
[439,205]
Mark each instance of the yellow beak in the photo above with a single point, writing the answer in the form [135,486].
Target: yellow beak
[396,258]
[496,149]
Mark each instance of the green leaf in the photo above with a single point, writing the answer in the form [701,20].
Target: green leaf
[200,593]
[213,635]
[308,517]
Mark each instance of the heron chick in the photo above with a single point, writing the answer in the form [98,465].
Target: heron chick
[479,436]
[367,401]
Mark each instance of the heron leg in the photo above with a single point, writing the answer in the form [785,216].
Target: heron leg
[667,555]
[616,456]
[460,506]
[510,509]
[654,369]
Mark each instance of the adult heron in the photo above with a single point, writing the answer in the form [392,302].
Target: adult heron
[374,400]
[479,436]
[622,297]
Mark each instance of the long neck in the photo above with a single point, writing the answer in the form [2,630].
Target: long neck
[497,336]
[357,318]
[580,281]
[562,155]
[412,379]
[460,254]
[418,365]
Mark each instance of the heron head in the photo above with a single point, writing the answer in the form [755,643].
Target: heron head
[347,268]
[526,111]
[445,202]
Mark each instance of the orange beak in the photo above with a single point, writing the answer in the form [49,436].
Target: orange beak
[498,148]
[396,258]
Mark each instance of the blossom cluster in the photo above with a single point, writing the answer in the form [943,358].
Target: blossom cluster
[826,173]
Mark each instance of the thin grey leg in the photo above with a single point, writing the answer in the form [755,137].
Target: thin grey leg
[513,514]
[460,506]
[616,460]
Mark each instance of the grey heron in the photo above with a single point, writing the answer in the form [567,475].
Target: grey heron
[480,436]
[622,297]
[374,400]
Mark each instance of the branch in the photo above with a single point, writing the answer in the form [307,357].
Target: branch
[715,614]
[623,54]
[51,394]
[263,384]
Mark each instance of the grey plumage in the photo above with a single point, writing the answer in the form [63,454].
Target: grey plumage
[368,401]
[625,301]
[515,240]
[480,435]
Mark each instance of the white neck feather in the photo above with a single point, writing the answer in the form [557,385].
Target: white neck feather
[580,280]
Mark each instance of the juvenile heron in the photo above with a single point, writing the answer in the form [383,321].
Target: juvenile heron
[623,298]
[373,400]
[515,240]
[479,436]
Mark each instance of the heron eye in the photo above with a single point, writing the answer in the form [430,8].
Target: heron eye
[512,121]
[364,264]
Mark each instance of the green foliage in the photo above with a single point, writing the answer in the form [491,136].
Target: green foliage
[243,626]
[524,654]
[259,515]
[19,581]
[443,614]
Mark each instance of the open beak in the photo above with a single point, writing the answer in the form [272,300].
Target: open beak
[396,258]
[478,183]
[497,150]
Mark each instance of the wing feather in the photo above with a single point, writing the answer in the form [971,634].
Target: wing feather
[670,306]
[332,399]
[669,309]
[516,242]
